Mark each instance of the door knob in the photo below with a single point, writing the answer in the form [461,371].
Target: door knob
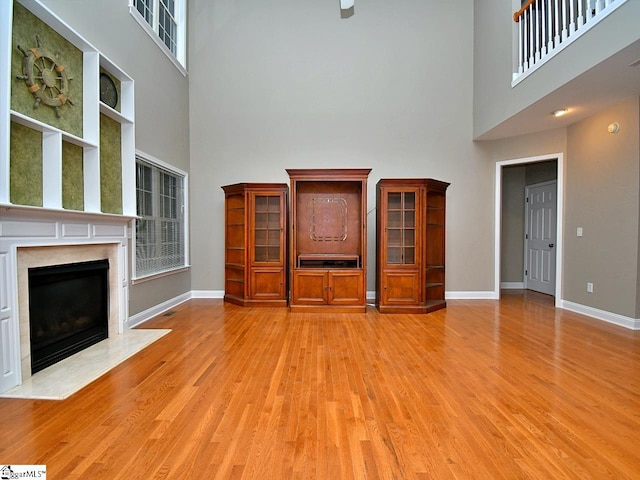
[551,245]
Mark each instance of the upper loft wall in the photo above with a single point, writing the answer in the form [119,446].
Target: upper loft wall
[576,77]
[161,91]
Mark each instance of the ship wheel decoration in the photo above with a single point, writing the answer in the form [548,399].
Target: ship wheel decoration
[45,77]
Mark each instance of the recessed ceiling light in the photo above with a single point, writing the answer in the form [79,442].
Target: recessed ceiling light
[559,113]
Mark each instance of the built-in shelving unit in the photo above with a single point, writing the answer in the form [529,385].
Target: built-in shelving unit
[53,136]
[67,177]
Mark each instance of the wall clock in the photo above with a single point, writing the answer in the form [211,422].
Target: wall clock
[45,77]
[108,91]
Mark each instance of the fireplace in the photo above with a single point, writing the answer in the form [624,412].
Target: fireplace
[29,258]
[68,310]
[31,238]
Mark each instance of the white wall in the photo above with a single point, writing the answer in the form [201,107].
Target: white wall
[601,195]
[289,84]
[603,172]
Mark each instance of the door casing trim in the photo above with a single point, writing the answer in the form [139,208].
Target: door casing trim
[559,218]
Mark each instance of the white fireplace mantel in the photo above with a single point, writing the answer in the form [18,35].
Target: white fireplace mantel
[22,227]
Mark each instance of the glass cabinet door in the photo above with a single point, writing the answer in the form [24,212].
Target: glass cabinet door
[401,228]
[267,228]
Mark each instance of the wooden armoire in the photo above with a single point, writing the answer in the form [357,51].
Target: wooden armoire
[410,234]
[328,254]
[256,243]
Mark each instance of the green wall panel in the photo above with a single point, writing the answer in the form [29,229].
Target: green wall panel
[25,169]
[25,28]
[110,165]
[72,177]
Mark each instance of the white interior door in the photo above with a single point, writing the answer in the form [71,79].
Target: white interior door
[540,237]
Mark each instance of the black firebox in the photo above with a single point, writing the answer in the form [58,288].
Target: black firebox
[68,310]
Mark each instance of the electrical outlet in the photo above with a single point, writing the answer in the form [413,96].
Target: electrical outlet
[589,287]
[579,232]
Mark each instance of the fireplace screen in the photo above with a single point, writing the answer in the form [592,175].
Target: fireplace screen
[68,310]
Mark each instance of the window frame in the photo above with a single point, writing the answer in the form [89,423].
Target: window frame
[159,165]
[179,59]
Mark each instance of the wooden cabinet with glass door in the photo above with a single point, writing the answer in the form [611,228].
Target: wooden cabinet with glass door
[410,245]
[256,243]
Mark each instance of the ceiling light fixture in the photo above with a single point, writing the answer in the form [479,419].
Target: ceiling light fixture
[559,113]
[346,8]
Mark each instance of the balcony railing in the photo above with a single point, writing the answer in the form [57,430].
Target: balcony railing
[547,26]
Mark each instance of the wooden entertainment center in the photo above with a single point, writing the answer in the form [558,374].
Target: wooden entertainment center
[305,244]
[328,221]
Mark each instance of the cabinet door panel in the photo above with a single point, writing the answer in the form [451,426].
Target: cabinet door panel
[267,229]
[267,283]
[401,288]
[310,287]
[346,287]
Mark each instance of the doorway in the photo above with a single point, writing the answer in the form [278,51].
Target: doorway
[506,239]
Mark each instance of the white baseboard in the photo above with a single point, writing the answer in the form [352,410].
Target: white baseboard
[480,295]
[614,318]
[156,310]
[207,293]
[512,285]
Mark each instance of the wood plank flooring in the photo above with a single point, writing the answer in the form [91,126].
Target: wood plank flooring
[484,389]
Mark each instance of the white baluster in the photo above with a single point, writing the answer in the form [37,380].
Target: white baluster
[580,19]
[543,20]
[525,27]
[549,26]
[521,45]
[535,30]
[572,15]
[599,6]
[531,42]
[564,20]
[556,41]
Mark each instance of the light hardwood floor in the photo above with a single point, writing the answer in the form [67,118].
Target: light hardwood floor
[484,389]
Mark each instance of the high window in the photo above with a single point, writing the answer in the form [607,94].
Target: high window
[160,236]
[165,21]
